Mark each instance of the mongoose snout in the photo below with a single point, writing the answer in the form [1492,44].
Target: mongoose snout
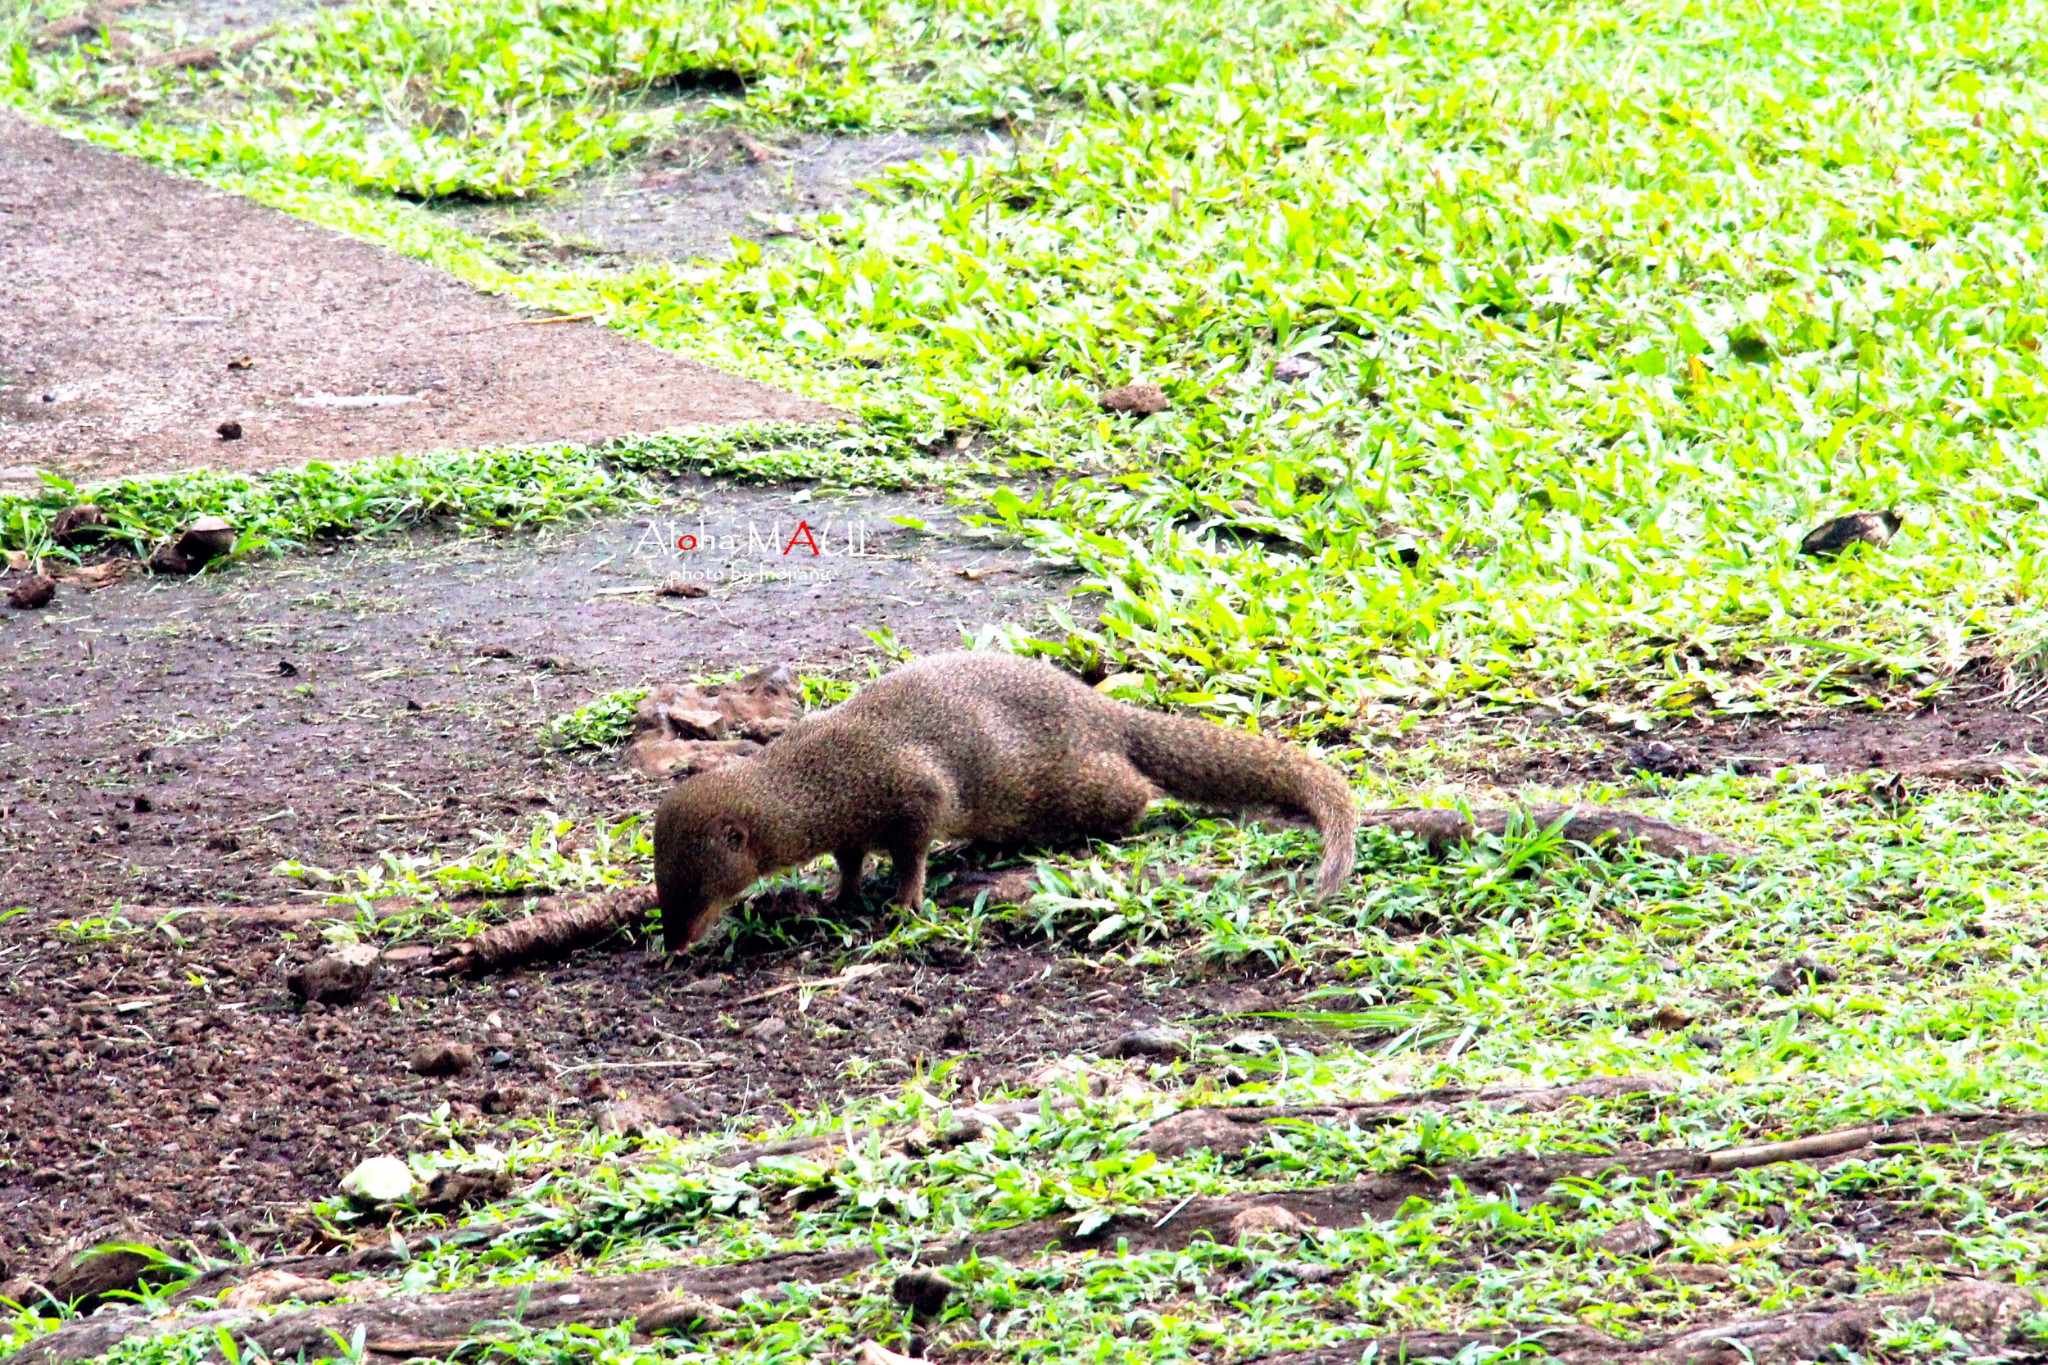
[983,747]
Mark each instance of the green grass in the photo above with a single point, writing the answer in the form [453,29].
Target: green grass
[1493,964]
[1608,305]
[1612,304]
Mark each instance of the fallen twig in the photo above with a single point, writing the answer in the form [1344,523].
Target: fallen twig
[1982,768]
[550,934]
[1975,1308]
[1231,1130]
[1439,827]
[522,322]
[859,972]
[607,1300]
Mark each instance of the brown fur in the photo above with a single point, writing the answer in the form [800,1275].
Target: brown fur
[983,747]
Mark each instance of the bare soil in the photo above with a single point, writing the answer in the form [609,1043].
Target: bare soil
[1978,716]
[169,741]
[691,197]
[144,311]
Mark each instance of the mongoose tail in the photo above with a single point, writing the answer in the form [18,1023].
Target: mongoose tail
[1194,760]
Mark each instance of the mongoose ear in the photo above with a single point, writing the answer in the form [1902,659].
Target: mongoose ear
[731,833]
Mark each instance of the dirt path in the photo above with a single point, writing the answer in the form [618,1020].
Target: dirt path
[139,312]
[170,741]
[692,195]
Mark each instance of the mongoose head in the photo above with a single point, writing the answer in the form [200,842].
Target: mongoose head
[706,852]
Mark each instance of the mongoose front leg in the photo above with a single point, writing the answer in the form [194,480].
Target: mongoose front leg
[851,861]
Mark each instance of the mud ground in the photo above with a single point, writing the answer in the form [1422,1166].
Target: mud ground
[178,1089]
[1979,715]
[691,196]
[170,741]
[146,313]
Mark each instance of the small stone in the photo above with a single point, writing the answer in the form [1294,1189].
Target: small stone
[1636,1237]
[498,1060]
[923,1292]
[342,977]
[1844,1282]
[206,1103]
[443,1058]
[1265,1220]
[704,985]
[1290,369]
[379,1180]
[1689,1272]
[768,1030]
[1138,400]
[1830,538]
[408,955]
[680,1312]
[1162,1043]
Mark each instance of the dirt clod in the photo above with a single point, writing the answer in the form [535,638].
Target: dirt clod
[1792,977]
[1830,538]
[1265,1220]
[676,587]
[768,1030]
[229,431]
[1636,1237]
[442,1058]
[341,977]
[681,729]
[627,1118]
[1162,1043]
[1661,759]
[449,1190]
[117,1262]
[82,524]
[1137,400]
[681,1312]
[1670,1019]
[267,1288]
[32,593]
[923,1292]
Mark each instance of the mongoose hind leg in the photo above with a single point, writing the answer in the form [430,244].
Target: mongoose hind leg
[851,861]
[1104,800]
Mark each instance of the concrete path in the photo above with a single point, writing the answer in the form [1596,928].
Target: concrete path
[140,312]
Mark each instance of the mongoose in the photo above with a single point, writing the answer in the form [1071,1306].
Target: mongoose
[985,747]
